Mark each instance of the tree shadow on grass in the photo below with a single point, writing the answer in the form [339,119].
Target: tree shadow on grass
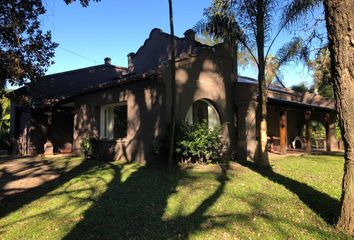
[14,202]
[321,203]
[135,209]
[134,202]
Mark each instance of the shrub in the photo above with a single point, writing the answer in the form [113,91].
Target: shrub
[5,141]
[89,147]
[197,142]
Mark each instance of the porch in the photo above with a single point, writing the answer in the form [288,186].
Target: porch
[301,128]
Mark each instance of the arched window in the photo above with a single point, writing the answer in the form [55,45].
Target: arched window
[203,111]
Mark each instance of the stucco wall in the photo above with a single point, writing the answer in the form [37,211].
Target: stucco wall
[206,75]
[145,119]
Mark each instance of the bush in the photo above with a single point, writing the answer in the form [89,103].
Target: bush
[89,147]
[197,143]
[5,141]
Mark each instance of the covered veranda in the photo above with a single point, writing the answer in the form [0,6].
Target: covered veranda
[290,127]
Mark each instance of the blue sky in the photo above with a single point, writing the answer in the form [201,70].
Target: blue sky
[115,28]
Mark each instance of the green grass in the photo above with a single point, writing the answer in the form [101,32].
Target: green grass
[297,200]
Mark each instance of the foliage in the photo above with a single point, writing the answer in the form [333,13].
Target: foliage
[89,147]
[338,132]
[244,58]
[25,51]
[250,23]
[208,39]
[197,142]
[318,130]
[301,87]
[4,115]
[128,201]
[322,74]
[297,10]
[84,3]
[4,123]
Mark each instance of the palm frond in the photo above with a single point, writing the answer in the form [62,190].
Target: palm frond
[295,50]
[296,10]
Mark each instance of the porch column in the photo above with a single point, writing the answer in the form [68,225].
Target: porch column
[330,125]
[283,132]
[328,138]
[308,130]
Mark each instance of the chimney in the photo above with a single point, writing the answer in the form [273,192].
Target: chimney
[189,34]
[108,61]
[130,59]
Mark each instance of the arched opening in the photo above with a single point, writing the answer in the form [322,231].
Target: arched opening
[318,135]
[203,111]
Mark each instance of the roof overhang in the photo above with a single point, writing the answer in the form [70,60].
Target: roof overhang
[299,105]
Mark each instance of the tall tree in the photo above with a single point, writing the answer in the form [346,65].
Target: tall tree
[249,23]
[322,73]
[173,86]
[339,17]
[25,51]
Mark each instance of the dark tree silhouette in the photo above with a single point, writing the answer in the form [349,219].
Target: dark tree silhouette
[25,51]
[173,86]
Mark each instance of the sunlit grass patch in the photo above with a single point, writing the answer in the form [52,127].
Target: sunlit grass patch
[130,201]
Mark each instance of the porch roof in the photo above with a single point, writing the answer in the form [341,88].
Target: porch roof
[299,105]
[286,97]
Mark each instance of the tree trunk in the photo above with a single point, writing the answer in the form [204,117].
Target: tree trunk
[262,158]
[173,88]
[230,103]
[339,21]
[308,131]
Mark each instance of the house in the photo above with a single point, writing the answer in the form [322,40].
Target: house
[128,109]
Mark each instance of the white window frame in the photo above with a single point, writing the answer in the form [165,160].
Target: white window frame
[107,120]
[213,115]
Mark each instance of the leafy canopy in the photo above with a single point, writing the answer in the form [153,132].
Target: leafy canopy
[25,50]
[238,23]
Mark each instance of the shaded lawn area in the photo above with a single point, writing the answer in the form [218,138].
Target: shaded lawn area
[297,200]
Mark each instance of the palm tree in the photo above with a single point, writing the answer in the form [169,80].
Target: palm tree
[247,23]
[339,17]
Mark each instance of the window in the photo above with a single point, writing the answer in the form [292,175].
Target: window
[203,111]
[113,122]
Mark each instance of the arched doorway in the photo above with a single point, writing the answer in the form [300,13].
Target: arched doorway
[318,135]
[203,111]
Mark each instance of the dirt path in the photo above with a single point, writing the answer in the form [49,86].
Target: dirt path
[18,174]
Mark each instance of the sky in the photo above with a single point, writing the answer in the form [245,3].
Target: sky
[114,28]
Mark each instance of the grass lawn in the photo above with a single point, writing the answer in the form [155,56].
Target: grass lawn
[297,200]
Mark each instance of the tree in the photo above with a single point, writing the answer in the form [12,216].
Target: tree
[322,73]
[248,23]
[173,86]
[301,87]
[25,51]
[339,20]
[339,17]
